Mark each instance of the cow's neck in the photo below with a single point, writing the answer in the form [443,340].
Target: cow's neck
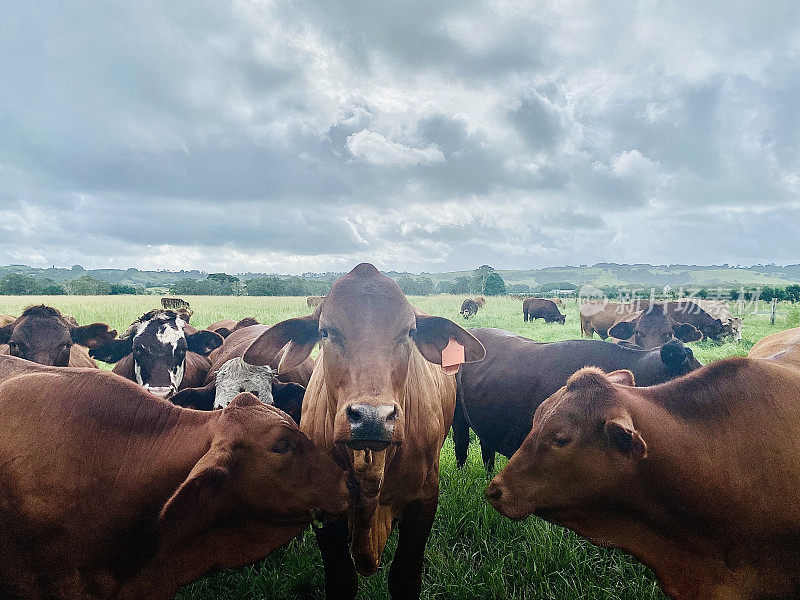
[171,441]
[688,567]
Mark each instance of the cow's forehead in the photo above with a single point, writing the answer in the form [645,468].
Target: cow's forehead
[167,329]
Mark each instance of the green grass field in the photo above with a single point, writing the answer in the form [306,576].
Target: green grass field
[473,553]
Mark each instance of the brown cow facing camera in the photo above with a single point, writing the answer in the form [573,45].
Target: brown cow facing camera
[111,493]
[696,477]
[43,335]
[381,404]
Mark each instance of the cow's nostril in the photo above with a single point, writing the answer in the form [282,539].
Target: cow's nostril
[392,415]
[493,492]
[353,414]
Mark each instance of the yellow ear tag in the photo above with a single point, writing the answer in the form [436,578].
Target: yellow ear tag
[452,357]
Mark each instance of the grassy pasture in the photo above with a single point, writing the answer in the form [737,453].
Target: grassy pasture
[473,552]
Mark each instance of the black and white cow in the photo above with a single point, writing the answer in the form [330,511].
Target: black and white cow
[161,352]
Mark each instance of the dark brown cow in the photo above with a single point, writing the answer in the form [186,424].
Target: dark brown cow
[501,393]
[696,477]
[227,326]
[652,328]
[469,308]
[287,389]
[45,336]
[541,308]
[161,352]
[110,492]
[599,317]
[381,404]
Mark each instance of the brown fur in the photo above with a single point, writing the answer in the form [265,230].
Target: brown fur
[379,356]
[110,492]
[782,347]
[695,477]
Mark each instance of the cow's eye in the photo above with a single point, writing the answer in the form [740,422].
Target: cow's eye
[282,447]
[412,331]
[323,333]
[13,345]
[561,440]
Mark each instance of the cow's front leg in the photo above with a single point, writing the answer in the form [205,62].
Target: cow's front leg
[405,575]
[460,435]
[341,580]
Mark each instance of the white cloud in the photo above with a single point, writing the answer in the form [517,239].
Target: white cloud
[373,148]
[298,136]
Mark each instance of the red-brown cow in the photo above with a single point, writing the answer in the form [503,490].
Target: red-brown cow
[696,477]
[112,493]
[381,404]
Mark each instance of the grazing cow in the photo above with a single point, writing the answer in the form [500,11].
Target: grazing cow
[381,404]
[287,389]
[711,317]
[652,328]
[599,317]
[314,301]
[695,477]
[161,352]
[501,393]
[110,493]
[469,308]
[227,326]
[45,336]
[782,347]
[541,308]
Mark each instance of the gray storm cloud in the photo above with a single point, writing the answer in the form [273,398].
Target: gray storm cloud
[251,136]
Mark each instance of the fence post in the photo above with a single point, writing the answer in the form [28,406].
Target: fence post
[772,314]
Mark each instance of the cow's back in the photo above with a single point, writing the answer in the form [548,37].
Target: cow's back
[782,347]
[501,393]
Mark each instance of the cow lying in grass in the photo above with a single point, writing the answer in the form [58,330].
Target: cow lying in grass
[110,492]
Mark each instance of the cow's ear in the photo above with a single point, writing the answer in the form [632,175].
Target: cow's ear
[622,330]
[289,398]
[621,432]
[674,355]
[223,331]
[433,334]
[113,350]
[203,342]
[301,334]
[93,335]
[197,398]
[622,377]
[5,333]
[196,502]
[686,332]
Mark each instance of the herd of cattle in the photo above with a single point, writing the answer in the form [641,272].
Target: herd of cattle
[129,484]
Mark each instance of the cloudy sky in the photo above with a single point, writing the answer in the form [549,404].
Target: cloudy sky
[426,136]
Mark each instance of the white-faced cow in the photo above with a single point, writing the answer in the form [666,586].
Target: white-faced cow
[161,352]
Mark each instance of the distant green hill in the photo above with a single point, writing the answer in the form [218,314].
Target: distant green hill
[601,274]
